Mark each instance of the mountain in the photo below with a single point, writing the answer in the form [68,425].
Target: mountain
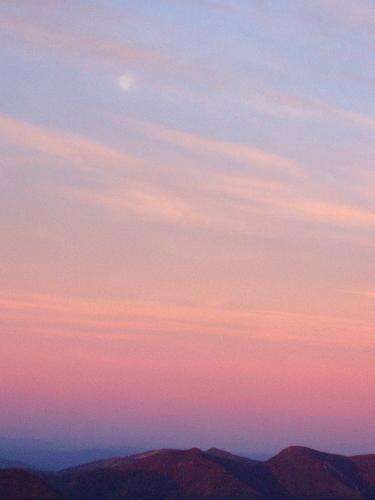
[216,452]
[296,473]
[12,464]
[23,485]
[366,467]
[159,475]
[302,473]
[48,456]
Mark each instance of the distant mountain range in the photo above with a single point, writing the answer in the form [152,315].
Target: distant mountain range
[297,473]
[48,456]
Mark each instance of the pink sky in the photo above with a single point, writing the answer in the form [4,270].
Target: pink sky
[187,219]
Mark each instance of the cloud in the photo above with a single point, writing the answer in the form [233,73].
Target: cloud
[158,205]
[235,152]
[338,214]
[75,150]
[271,101]
[224,208]
[102,49]
[115,320]
[188,197]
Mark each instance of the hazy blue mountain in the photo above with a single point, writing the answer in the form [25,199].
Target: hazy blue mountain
[48,456]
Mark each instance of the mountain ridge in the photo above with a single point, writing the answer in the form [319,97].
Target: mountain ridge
[296,473]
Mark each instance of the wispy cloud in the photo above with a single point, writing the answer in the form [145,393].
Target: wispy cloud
[105,50]
[231,151]
[161,206]
[203,197]
[338,214]
[114,320]
[77,151]
[227,209]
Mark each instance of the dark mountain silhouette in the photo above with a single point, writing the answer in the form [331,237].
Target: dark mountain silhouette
[304,473]
[296,473]
[159,474]
[216,452]
[23,485]
[12,464]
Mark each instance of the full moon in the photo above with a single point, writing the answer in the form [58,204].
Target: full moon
[126,81]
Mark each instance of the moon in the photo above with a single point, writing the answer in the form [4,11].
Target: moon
[126,81]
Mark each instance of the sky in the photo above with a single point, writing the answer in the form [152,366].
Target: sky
[187,217]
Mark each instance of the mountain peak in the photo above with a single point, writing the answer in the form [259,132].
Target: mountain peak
[217,452]
[299,451]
